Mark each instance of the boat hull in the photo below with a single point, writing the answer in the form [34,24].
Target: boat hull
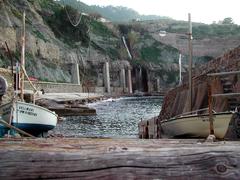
[29,117]
[197,126]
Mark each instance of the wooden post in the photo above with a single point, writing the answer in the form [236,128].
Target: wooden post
[190,61]
[23,57]
[210,108]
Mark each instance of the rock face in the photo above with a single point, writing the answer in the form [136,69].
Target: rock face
[8,34]
[53,45]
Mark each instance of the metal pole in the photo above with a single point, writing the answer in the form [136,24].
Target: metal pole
[190,60]
[23,57]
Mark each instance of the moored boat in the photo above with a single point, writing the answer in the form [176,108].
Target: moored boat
[29,117]
[197,125]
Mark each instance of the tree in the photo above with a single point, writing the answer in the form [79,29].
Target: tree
[228,21]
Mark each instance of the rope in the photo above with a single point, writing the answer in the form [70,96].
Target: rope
[30,82]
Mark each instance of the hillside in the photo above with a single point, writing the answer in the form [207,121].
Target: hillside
[111,13]
[209,41]
[53,44]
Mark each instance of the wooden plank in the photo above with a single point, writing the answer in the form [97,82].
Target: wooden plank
[224,73]
[118,159]
[226,95]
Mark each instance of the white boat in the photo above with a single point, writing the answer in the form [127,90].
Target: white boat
[29,117]
[197,126]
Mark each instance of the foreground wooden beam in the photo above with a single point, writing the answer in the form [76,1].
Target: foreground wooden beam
[118,159]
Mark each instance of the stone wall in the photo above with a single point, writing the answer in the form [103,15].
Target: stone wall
[50,87]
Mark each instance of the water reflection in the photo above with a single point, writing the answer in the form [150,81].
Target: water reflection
[115,118]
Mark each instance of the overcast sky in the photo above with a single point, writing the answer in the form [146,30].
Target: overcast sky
[205,11]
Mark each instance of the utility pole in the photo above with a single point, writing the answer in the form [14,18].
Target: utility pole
[190,61]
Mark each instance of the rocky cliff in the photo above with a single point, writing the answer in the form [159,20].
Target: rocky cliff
[53,45]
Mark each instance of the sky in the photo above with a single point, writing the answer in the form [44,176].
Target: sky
[205,11]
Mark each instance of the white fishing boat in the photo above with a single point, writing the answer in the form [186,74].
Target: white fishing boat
[29,117]
[196,125]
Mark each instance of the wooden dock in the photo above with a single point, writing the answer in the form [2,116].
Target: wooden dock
[86,158]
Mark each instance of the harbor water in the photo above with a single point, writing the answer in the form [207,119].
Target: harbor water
[115,118]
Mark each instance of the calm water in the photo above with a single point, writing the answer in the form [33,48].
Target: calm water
[117,118]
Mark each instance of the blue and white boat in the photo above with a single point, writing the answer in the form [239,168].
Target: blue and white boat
[29,117]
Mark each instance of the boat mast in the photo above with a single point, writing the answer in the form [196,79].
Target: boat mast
[23,57]
[190,61]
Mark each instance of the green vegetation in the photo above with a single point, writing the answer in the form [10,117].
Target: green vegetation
[100,29]
[172,77]
[228,21]
[225,29]
[150,54]
[4,61]
[64,30]
[49,5]
[158,53]
[216,30]
[39,35]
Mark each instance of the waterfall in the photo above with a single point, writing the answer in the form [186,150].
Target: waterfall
[125,44]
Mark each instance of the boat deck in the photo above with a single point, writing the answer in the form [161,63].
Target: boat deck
[95,158]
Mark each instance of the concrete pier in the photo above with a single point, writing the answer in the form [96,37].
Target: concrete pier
[130,91]
[107,77]
[123,79]
[75,73]
[158,84]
